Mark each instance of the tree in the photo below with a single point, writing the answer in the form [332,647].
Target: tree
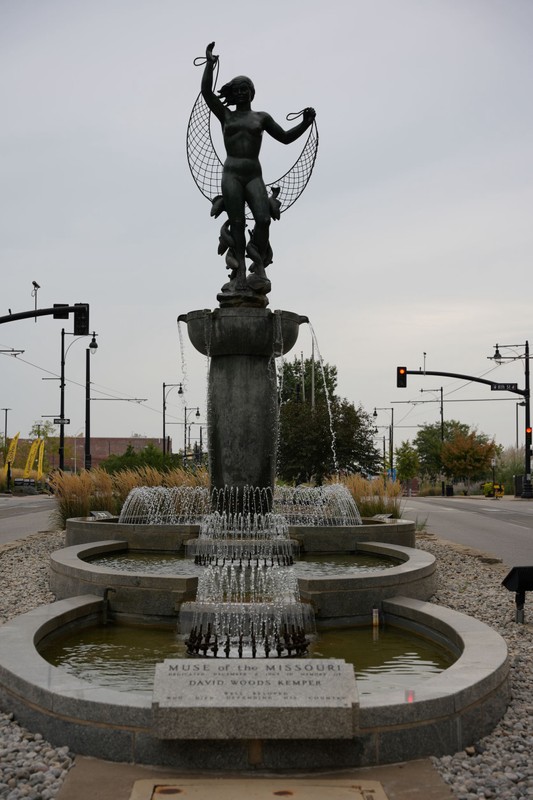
[428,444]
[316,441]
[468,456]
[149,456]
[297,380]
[510,463]
[407,463]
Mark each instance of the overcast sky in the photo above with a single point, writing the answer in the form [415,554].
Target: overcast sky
[413,236]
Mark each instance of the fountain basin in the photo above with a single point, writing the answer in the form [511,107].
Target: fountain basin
[343,599]
[312,538]
[242,331]
[442,714]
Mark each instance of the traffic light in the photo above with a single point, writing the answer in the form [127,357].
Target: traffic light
[401,377]
[81,319]
[528,431]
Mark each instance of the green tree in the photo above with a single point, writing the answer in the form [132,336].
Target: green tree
[298,380]
[510,463]
[428,444]
[149,456]
[314,441]
[407,463]
[468,456]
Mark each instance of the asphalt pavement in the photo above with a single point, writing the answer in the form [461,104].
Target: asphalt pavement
[502,528]
[21,515]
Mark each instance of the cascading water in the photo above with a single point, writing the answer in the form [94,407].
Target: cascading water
[331,505]
[248,601]
[165,505]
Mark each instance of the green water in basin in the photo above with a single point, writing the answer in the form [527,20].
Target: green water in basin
[321,564]
[123,657]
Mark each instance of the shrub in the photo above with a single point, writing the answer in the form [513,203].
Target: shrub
[374,496]
[98,490]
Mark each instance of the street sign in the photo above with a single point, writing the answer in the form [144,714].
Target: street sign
[59,421]
[504,387]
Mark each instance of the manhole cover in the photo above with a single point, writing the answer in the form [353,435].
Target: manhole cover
[258,789]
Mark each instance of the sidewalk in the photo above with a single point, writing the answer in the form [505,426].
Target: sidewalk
[413,780]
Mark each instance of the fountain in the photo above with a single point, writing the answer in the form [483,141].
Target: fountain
[244,687]
[248,598]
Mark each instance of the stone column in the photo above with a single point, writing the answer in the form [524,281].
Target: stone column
[242,413]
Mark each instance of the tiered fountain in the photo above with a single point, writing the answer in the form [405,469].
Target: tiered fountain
[248,597]
[244,688]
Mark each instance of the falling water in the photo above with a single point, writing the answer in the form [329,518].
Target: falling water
[165,505]
[328,401]
[248,600]
[182,356]
[330,505]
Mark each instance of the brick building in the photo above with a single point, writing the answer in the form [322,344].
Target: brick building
[101,448]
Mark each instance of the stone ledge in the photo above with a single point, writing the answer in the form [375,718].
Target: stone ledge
[448,711]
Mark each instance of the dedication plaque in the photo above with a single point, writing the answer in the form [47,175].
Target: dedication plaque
[288,698]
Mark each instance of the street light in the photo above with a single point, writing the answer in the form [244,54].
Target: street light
[442,487]
[521,403]
[375,431]
[5,430]
[90,351]
[166,393]
[62,422]
[527,489]
[187,411]
[391,437]
[5,410]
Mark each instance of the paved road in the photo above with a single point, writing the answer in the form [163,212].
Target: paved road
[503,528]
[24,514]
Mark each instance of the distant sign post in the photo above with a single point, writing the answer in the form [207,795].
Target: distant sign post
[61,421]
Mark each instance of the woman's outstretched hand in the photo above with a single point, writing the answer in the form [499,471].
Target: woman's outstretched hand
[309,115]
[212,59]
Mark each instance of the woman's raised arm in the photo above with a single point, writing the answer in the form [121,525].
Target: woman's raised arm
[214,103]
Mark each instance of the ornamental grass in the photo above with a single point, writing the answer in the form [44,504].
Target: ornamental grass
[374,496]
[97,490]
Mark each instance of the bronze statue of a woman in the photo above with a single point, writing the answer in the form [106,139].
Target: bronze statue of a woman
[242,180]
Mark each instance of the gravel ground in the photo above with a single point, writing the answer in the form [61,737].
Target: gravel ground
[500,765]
[30,767]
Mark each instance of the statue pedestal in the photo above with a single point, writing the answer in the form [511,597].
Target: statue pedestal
[242,413]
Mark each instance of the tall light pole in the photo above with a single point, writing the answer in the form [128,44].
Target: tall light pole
[166,393]
[521,403]
[62,422]
[187,411]
[391,437]
[5,410]
[62,404]
[527,489]
[90,351]
[442,487]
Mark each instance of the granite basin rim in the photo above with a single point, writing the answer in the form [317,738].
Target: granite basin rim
[449,711]
[242,331]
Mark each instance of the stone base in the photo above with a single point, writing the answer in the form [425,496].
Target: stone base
[249,299]
[447,712]
[256,699]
